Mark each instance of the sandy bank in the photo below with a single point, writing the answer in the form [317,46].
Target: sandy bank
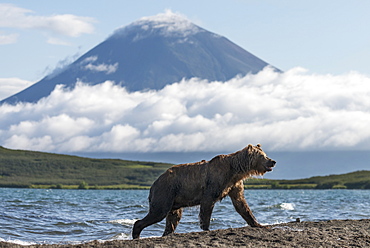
[334,233]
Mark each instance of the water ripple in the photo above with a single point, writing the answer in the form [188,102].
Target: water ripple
[35,216]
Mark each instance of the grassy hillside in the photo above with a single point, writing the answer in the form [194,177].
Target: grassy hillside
[353,180]
[20,168]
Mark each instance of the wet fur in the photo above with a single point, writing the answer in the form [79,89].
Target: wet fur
[204,183]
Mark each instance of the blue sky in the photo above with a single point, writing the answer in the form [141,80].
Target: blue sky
[321,36]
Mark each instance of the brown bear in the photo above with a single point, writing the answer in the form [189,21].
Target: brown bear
[204,183]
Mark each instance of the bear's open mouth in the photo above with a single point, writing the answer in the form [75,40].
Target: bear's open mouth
[269,166]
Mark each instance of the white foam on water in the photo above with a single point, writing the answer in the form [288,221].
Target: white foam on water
[28,243]
[120,236]
[123,221]
[17,241]
[271,223]
[287,206]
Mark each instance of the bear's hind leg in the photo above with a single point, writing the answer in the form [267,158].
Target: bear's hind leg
[172,220]
[150,219]
[206,208]
[158,210]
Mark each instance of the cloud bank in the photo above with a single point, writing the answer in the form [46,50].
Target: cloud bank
[283,111]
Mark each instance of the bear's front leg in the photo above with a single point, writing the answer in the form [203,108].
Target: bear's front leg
[241,206]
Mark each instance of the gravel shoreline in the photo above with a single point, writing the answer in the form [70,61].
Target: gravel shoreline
[333,233]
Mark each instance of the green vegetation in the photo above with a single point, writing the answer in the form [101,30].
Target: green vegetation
[29,169]
[353,180]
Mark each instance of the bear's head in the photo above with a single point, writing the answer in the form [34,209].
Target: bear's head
[258,160]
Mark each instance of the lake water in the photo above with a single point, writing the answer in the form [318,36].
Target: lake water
[29,216]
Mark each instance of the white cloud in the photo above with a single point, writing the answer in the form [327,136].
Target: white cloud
[88,64]
[8,38]
[287,111]
[90,59]
[108,69]
[10,86]
[56,41]
[12,16]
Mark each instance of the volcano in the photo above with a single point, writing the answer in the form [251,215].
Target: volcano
[149,54]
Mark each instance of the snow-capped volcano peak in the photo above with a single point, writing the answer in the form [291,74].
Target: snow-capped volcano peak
[165,24]
[151,53]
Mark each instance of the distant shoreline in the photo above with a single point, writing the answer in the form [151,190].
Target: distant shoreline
[332,233]
[139,187]
[115,187]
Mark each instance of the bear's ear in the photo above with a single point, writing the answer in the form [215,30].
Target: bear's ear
[259,145]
